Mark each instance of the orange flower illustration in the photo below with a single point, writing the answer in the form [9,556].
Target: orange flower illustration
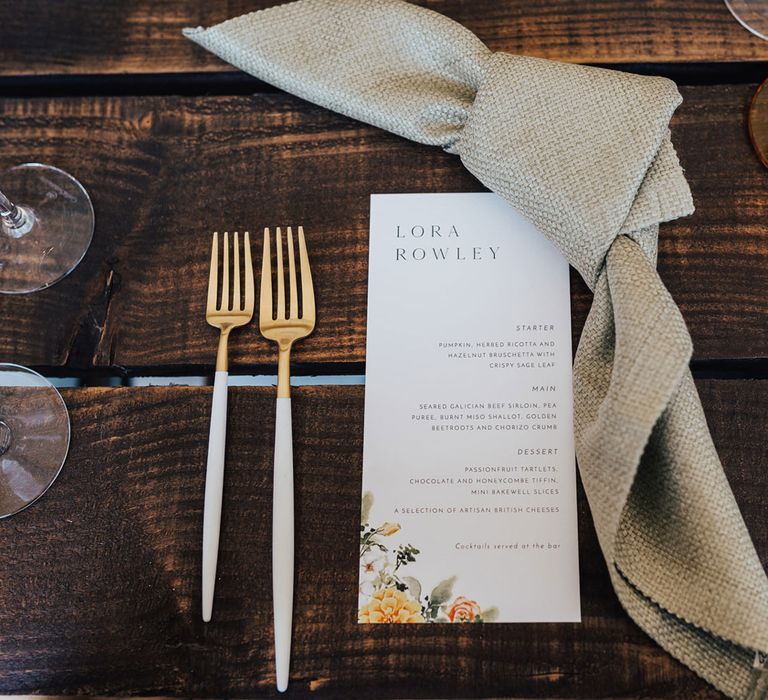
[390,605]
[463,610]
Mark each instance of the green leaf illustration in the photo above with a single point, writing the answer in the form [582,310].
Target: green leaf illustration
[405,553]
[490,615]
[367,503]
[413,586]
[442,591]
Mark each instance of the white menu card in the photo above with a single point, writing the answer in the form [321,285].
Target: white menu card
[469,484]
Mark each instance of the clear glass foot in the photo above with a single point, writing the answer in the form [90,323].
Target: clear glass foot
[46,226]
[34,437]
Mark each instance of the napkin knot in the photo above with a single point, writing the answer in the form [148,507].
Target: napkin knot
[584,152]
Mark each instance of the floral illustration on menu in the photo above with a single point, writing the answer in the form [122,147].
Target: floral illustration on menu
[388,594]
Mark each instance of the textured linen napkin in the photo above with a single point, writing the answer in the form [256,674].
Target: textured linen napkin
[586,155]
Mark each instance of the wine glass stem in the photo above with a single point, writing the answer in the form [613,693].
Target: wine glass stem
[10,215]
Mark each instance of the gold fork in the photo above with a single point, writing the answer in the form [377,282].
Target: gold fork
[234,310]
[285,330]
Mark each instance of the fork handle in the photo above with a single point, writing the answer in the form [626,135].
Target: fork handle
[282,541]
[214,486]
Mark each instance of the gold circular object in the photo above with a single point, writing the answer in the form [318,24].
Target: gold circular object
[758,122]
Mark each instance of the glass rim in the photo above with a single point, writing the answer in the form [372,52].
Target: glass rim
[744,23]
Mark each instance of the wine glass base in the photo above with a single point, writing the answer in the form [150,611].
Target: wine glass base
[751,14]
[758,122]
[55,233]
[34,437]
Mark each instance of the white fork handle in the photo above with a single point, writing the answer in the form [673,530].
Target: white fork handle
[282,541]
[214,486]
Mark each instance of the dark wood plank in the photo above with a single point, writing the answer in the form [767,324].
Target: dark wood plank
[99,581]
[166,171]
[97,36]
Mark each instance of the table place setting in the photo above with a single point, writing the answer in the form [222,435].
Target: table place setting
[480,427]
[585,154]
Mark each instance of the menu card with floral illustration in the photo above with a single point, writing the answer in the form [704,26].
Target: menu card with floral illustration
[469,484]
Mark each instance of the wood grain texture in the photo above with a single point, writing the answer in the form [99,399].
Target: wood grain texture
[144,36]
[99,581]
[166,171]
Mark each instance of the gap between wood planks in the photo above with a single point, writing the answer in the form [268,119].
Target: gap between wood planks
[330,375]
[205,380]
[239,83]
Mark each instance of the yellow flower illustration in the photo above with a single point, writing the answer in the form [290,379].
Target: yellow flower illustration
[388,529]
[390,605]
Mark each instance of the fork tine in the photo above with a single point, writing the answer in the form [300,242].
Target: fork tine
[294,293]
[249,291]
[265,301]
[213,275]
[307,291]
[237,304]
[280,272]
[225,275]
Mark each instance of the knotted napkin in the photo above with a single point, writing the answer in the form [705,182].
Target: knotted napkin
[585,154]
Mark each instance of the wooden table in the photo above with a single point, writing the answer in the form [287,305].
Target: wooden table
[99,581]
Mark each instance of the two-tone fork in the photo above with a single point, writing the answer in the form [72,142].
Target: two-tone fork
[226,309]
[284,327]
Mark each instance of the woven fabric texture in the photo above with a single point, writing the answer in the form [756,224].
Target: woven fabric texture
[585,154]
